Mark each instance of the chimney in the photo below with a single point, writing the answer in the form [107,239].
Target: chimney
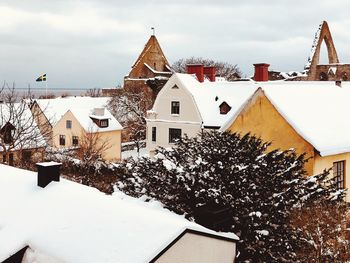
[99,111]
[261,72]
[210,72]
[196,69]
[48,172]
[338,83]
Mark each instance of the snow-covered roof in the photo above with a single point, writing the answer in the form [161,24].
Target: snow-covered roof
[82,108]
[55,108]
[209,95]
[317,110]
[75,223]
[84,116]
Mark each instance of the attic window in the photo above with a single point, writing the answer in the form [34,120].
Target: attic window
[104,123]
[216,98]
[175,87]
[224,108]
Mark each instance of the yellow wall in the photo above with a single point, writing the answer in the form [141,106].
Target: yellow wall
[261,118]
[112,137]
[114,141]
[326,162]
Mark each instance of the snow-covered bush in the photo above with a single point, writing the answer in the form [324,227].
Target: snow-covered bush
[261,188]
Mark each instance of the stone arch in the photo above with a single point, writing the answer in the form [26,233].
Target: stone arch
[323,34]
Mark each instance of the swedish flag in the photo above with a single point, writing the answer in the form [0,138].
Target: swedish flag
[41,78]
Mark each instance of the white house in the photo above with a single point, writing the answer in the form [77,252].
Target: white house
[186,106]
[68,222]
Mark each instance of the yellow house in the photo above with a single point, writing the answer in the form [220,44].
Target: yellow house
[310,117]
[79,125]
[74,120]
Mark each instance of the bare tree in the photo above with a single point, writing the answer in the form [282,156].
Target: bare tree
[91,147]
[95,92]
[21,139]
[324,232]
[129,107]
[223,69]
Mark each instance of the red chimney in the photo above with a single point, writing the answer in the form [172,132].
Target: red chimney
[210,73]
[196,69]
[261,72]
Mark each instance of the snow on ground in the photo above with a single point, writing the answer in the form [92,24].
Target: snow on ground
[70,222]
[134,154]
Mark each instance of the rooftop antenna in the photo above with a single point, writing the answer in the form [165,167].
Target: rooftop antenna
[153,31]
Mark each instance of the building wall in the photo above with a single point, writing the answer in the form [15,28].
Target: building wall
[342,72]
[113,138]
[326,162]
[188,120]
[261,118]
[196,248]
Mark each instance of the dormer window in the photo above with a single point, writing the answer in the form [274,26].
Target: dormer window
[224,108]
[104,123]
[7,133]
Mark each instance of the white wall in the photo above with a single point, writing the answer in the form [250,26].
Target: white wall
[189,120]
[197,248]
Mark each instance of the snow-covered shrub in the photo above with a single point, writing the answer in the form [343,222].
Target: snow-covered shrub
[262,188]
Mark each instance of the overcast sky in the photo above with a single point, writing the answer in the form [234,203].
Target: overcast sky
[93,43]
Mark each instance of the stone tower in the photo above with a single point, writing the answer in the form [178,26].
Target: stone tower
[150,68]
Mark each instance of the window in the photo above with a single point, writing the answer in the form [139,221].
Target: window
[4,158]
[175,87]
[339,174]
[68,124]
[7,136]
[175,107]
[174,134]
[75,140]
[154,134]
[62,140]
[224,108]
[104,123]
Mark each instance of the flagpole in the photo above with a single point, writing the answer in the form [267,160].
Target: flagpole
[46,88]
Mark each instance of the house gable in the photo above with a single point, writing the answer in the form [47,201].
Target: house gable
[261,118]
[181,249]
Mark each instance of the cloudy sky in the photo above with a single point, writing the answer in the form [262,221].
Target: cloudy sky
[93,43]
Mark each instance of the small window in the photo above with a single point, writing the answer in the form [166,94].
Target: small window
[75,140]
[175,87]
[104,123]
[154,134]
[4,158]
[68,124]
[224,108]
[339,174]
[174,134]
[62,140]
[175,107]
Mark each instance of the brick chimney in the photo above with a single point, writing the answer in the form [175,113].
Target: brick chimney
[48,172]
[210,72]
[261,72]
[196,69]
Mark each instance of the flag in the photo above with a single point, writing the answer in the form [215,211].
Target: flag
[41,78]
